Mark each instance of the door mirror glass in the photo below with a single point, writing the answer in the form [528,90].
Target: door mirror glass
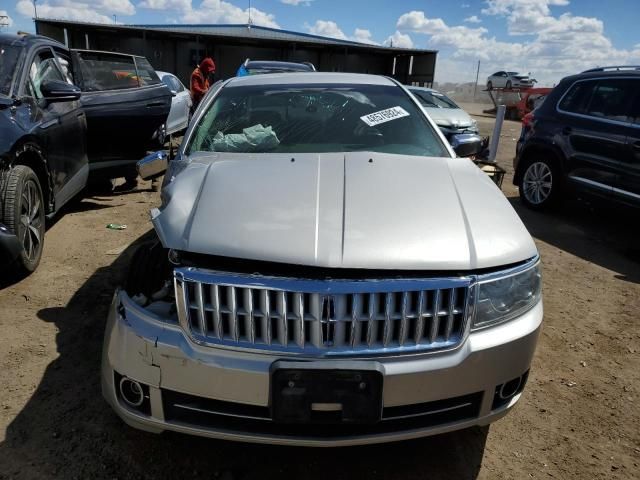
[467,144]
[59,91]
[153,165]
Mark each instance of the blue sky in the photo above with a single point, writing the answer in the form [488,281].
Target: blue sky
[549,38]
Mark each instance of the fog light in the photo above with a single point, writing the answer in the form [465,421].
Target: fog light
[131,392]
[506,391]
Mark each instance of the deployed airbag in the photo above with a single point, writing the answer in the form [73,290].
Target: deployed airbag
[256,137]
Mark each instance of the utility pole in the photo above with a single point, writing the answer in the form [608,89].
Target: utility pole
[249,14]
[475,89]
[35,8]
[114,19]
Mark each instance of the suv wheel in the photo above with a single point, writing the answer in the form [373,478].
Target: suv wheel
[540,184]
[24,215]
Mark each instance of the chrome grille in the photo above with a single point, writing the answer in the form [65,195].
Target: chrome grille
[321,318]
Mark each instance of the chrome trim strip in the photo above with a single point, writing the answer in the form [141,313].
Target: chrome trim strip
[332,286]
[215,412]
[626,193]
[430,412]
[592,183]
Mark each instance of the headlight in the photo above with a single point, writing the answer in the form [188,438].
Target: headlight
[503,298]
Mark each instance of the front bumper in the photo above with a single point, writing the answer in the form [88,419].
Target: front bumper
[10,246]
[450,131]
[224,394]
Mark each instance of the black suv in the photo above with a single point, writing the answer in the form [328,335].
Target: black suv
[584,137]
[66,116]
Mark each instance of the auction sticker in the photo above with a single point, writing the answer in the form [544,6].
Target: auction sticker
[376,118]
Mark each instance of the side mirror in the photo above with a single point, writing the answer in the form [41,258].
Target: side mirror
[59,91]
[467,144]
[153,165]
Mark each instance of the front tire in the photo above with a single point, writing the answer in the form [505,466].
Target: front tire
[23,214]
[540,185]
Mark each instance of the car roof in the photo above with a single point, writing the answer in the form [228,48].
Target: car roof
[305,78]
[630,72]
[27,40]
[278,65]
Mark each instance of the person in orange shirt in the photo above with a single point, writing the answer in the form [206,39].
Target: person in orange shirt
[200,80]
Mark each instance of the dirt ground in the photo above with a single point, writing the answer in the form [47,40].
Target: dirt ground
[579,417]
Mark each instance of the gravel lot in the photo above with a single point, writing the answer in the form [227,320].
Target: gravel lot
[579,417]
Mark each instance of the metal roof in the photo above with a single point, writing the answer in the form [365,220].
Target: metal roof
[241,31]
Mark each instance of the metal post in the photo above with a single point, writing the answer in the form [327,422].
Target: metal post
[475,89]
[495,136]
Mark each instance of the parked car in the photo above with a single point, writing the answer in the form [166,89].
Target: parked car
[530,100]
[181,103]
[256,67]
[509,80]
[52,133]
[449,117]
[585,137]
[328,273]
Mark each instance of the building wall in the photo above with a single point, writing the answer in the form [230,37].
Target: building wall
[179,53]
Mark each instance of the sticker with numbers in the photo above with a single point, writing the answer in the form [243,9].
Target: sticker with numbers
[376,118]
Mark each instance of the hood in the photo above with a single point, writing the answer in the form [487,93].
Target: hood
[449,117]
[356,210]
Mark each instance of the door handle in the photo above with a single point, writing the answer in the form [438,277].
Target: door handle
[155,104]
[566,131]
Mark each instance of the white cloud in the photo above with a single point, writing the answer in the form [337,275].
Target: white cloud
[295,3]
[472,19]
[182,5]
[398,40]
[465,5]
[99,11]
[552,47]
[328,28]
[363,35]
[219,11]
[5,22]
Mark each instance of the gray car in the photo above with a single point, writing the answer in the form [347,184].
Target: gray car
[328,272]
[449,117]
[504,79]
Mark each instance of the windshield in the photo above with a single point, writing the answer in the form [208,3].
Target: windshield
[315,118]
[9,55]
[433,99]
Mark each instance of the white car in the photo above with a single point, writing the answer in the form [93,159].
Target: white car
[327,271]
[180,113]
[509,80]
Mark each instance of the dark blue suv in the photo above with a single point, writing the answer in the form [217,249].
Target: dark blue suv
[585,137]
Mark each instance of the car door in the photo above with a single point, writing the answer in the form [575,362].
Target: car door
[628,188]
[592,131]
[125,103]
[62,127]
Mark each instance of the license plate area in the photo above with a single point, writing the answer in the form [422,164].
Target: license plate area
[305,393]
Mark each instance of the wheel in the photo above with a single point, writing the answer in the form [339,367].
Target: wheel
[489,85]
[161,135]
[23,214]
[508,84]
[540,184]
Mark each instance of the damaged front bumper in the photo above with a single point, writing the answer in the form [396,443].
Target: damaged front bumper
[225,394]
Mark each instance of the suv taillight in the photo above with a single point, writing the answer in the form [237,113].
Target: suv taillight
[527,120]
